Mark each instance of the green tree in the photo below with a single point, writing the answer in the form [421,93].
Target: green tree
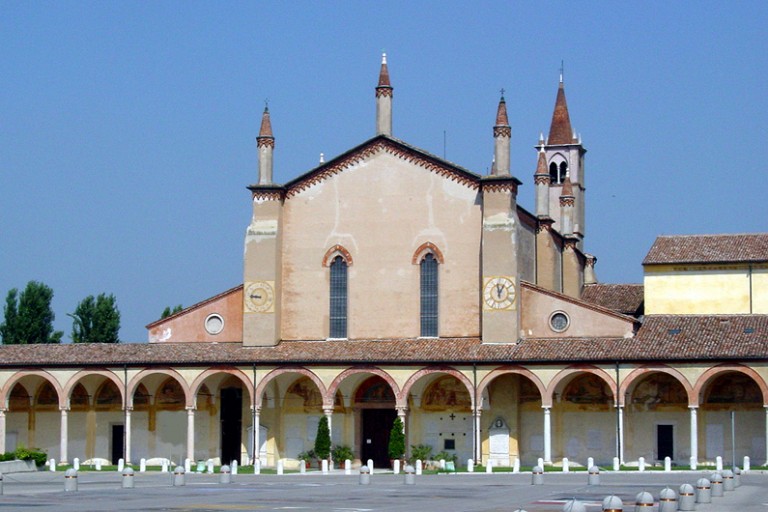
[30,318]
[396,446]
[323,439]
[168,311]
[96,320]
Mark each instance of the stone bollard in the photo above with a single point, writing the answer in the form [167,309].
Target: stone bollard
[574,506]
[692,463]
[644,502]
[280,466]
[120,465]
[164,467]
[324,466]
[470,466]
[178,477]
[70,480]
[667,464]
[736,476]
[641,464]
[76,464]
[516,466]
[225,475]
[590,462]
[718,463]
[442,464]
[540,462]
[143,466]
[716,482]
[537,474]
[703,491]
[396,466]
[98,464]
[566,465]
[128,478]
[746,464]
[518,510]
[612,503]
[489,466]
[728,483]
[687,499]
[419,467]
[1,484]
[302,467]
[52,464]
[410,478]
[347,467]
[365,475]
[209,466]
[616,464]
[370,466]
[594,476]
[187,465]
[667,500]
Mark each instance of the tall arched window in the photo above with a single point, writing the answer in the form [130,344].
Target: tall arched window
[553,174]
[563,172]
[338,313]
[429,296]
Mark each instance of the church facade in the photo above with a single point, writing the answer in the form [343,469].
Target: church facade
[388,282]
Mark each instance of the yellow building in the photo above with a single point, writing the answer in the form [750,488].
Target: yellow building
[387,282]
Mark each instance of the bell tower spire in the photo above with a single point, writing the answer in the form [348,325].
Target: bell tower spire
[384,100]
[502,134]
[265,143]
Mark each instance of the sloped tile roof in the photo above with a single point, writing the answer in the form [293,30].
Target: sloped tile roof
[623,298]
[743,248]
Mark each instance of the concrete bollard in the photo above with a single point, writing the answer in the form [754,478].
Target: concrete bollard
[396,466]
[616,464]
[410,478]
[667,500]
[419,468]
[641,464]
[470,466]
[540,462]
[718,464]
[574,506]
[644,502]
[280,466]
[442,464]
[347,467]
[302,467]
[537,474]
[187,465]
[1,484]
[76,464]
[687,499]
[516,466]
[489,466]
[70,480]
[667,464]
[164,467]
[518,510]
[612,503]
[716,482]
[370,466]
[128,478]
[594,476]
[703,491]
[143,466]
[324,466]
[728,483]
[590,462]
[365,475]
[746,467]
[98,464]
[209,466]
[736,476]
[52,464]
[225,475]
[566,465]
[120,465]
[693,464]
[178,477]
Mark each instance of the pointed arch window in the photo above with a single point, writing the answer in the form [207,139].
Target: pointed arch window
[429,296]
[557,172]
[338,298]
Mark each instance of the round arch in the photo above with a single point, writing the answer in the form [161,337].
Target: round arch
[402,397]
[638,374]
[109,375]
[566,375]
[262,386]
[546,399]
[194,388]
[6,390]
[136,380]
[331,394]
[714,372]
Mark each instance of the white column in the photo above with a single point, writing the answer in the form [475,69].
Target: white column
[547,435]
[128,435]
[64,425]
[191,433]
[694,434]
[2,430]
[478,437]
[401,414]
[256,441]
[766,434]
[621,434]
[328,411]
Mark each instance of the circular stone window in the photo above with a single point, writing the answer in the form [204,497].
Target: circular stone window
[214,324]
[559,321]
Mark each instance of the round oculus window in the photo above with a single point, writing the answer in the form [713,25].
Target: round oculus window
[559,321]
[214,324]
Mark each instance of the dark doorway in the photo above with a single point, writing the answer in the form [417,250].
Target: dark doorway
[665,445]
[231,424]
[118,438]
[375,442]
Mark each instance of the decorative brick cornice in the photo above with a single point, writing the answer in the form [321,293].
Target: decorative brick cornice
[502,131]
[570,243]
[337,250]
[541,179]
[385,145]
[267,193]
[265,142]
[544,224]
[567,201]
[384,90]
[500,184]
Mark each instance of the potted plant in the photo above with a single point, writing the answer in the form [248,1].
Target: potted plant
[396,446]
[323,440]
[422,452]
[307,457]
[340,453]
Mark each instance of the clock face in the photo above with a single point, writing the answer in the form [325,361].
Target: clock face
[499,293]
[259,297]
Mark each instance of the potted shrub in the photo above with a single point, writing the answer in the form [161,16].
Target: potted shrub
[341,453]
[422,452]
[323,440]
[396,446]
[306,457]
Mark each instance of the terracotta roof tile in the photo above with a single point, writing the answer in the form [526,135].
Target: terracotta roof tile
[623,298]
[742,248]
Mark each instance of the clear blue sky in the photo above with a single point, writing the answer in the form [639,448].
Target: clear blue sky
[127,129]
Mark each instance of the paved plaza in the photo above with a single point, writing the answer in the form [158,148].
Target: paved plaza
[102,491]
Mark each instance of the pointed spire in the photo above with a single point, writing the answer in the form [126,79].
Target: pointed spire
[265,132]
[502,133]
[384,73]
[560,131]
[501,112]
[384,100]
[541,179]
[567,191]
[265,143]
